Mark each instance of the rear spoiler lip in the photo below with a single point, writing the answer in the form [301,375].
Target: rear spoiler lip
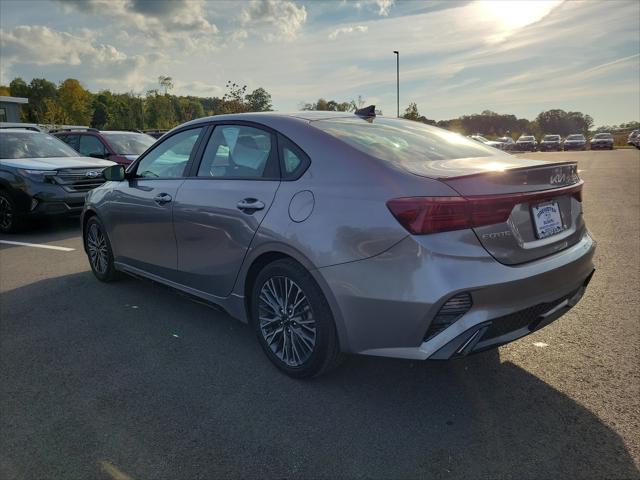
[516,169]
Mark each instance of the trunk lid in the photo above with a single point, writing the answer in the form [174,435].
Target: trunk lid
[544,201]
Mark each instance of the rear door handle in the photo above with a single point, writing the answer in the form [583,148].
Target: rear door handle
[162,198]
[250,205]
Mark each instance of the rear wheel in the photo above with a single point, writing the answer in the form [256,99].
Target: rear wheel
[293,321]
[8,219]
[99,251]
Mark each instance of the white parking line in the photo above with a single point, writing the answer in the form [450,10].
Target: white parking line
[38,245]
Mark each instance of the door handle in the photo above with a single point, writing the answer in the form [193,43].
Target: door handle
[250,205]
[162,198]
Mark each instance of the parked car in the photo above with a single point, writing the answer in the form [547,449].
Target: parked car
[331,232]
[634,139]
[42,176]
[602,141]
[551,142]
[526,143]
[489,143]
[156,133]
[119,146]
[575,141]
[507,144]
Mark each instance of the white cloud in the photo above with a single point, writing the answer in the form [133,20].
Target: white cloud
[274,19]
[348,29]
[159,22]
[78,53]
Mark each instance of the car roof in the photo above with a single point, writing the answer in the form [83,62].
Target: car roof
[18,129]
[267,116]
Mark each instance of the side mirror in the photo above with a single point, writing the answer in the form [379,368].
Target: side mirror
[114,173]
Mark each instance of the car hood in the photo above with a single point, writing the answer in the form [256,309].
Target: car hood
[131,158]
[56,163]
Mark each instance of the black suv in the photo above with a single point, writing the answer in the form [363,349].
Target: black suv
[40,175]
[122,147]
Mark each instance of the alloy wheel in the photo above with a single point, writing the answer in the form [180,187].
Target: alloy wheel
[97,248]
[6,213]
[286,320]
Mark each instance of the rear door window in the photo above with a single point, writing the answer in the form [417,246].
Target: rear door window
[238,151]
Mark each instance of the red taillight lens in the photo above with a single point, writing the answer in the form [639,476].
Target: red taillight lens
[423,215]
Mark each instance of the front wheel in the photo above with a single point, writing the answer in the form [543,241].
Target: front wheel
[99,251]
[293,320]
[8,220]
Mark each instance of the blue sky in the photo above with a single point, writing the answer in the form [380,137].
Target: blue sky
[456,58]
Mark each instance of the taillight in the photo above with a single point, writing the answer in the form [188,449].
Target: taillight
[423,215]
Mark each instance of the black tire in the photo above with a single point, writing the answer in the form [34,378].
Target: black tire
[9,221]
[97,240]
[314,312]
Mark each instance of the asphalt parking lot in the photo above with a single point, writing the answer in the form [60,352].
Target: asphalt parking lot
[133,381]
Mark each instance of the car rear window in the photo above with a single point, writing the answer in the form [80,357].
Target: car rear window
[32,145]
[603,135]
[403,141]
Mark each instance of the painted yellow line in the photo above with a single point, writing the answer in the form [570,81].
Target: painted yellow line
[38,245]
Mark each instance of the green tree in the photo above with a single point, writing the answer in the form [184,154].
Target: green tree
[259,100]
[75,102]
[40,89]
[166,83]
[159,111]
[411,112]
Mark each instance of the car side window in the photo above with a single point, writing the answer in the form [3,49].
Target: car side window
[169,159]
[293,160]
[91,146]
[236,151]
[71,140]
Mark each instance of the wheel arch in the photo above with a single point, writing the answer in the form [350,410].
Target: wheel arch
[262,257]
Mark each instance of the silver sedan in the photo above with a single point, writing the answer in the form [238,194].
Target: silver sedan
[336,233]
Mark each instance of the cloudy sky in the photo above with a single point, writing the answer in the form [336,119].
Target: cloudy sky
[456,58]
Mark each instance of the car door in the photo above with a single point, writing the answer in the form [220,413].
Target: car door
[219,208]
[140,209]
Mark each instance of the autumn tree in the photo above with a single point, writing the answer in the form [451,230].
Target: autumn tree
[75,102]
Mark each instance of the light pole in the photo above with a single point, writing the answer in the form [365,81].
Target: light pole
[397,80]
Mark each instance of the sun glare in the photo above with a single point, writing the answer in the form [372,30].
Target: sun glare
[514,14]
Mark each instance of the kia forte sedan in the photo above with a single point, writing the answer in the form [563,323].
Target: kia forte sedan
[334,233]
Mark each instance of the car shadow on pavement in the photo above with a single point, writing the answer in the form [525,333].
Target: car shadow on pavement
[135,377]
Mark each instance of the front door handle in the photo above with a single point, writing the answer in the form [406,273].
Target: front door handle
[250,205]
[162,198]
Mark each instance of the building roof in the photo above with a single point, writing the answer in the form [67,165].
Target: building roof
[13,100]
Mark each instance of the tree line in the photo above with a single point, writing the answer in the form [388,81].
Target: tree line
[69,103]
[494,124]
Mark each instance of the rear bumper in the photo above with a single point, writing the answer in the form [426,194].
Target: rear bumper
[387,303]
